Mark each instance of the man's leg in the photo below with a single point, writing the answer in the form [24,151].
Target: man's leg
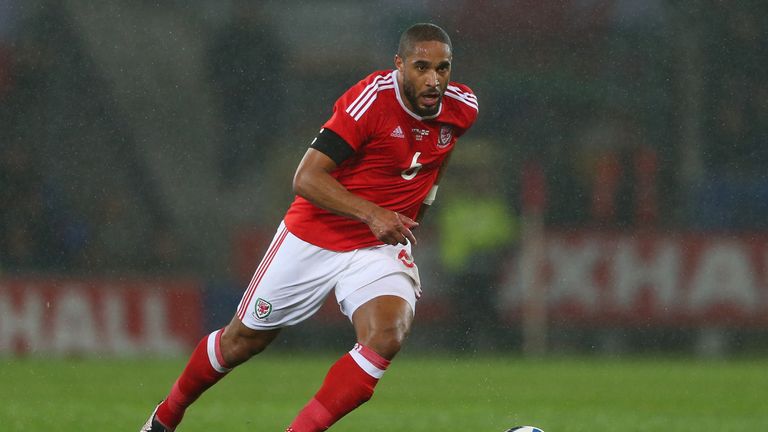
[381,325]
[215,355]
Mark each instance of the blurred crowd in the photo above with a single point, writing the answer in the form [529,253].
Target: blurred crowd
[55,219]
[589,96]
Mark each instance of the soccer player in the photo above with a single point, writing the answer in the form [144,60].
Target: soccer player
[360,188]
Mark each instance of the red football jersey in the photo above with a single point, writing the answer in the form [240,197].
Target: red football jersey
[397,157]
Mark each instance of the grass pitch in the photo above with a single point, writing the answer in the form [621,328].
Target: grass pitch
[418,393]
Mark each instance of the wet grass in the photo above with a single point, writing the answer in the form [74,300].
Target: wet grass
[418,393]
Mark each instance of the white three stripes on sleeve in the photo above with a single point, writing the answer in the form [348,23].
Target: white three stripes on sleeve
[467,95]
[467,98]
[360,105]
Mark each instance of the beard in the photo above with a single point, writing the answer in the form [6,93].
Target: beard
[413,99]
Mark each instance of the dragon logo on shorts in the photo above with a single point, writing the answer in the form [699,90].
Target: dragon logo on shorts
[263,308]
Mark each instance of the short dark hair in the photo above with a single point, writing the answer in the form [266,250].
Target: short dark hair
[421,32]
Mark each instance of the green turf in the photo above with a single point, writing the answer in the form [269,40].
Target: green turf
[417,394]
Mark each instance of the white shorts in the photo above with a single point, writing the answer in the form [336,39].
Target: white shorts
[294,278]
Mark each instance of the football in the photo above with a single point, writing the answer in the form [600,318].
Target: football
[524,429]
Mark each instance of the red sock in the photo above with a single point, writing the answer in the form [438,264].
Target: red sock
[205,368]
[348,384]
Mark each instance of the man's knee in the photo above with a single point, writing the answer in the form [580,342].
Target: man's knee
[239,343]
[386,341]
[382,324]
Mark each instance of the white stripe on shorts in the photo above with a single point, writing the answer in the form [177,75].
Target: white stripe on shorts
[259,274]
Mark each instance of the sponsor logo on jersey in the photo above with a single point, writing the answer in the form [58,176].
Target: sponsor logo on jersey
[397,133]
[419,134]
[405,258]
[446,133]
[263,308]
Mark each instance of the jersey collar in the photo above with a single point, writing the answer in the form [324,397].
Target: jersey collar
[400,100]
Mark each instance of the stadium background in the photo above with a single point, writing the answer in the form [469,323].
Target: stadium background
[610,201]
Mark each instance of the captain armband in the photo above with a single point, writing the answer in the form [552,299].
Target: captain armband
[431,196]
[332,145]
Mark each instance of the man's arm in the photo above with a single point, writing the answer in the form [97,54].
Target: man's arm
[314,183]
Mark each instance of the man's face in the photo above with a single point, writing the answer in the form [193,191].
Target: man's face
[424,75]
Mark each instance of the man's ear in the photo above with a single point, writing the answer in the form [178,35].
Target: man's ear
[399,63]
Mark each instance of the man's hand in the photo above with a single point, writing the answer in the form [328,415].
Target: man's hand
[314,182]
[391,227]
